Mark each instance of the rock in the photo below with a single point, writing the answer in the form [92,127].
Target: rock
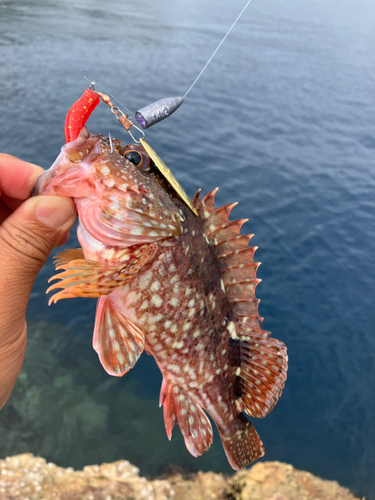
[25,477]
[279,481]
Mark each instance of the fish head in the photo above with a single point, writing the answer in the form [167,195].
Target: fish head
[120,198]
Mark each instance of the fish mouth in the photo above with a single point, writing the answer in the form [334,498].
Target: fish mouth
[42,181]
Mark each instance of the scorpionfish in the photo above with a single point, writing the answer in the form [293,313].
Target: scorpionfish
[179,286]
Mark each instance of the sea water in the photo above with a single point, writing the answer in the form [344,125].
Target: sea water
[283,121]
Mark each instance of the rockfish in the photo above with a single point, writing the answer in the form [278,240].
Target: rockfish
[177,285]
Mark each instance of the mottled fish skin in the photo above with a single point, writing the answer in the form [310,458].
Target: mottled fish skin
[186,294]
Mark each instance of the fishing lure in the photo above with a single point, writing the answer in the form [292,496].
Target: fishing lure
[80,112]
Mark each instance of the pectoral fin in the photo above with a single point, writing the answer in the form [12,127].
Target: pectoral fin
[88,278]
[117,341]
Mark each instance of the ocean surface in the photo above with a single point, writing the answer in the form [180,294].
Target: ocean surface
[283,120]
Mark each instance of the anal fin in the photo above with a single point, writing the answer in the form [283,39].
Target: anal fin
[195,426]
[117,341]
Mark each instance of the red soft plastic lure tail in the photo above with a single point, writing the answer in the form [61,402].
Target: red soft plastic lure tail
[79,113]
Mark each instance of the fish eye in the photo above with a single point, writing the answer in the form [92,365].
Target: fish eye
[137,155]
[134,157]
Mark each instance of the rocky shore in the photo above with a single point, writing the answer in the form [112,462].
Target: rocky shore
[25,477]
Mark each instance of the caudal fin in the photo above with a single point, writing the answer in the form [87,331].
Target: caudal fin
[243,446]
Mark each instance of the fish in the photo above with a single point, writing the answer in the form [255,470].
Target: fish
[177,284]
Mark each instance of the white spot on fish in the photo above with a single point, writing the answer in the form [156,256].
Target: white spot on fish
[174,301]
[175,369]
[232,330]
[144,305]
[191,312]
[155,286]
[105,170]
[144,280]
[157,318]
[177,345]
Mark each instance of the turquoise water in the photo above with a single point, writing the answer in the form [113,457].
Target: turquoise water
[284,122]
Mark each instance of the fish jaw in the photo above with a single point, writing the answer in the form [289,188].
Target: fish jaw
[68,176]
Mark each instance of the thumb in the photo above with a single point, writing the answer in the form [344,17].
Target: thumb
[27,237]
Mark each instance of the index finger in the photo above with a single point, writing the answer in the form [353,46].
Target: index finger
[17,177]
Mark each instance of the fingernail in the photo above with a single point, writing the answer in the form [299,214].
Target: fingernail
[54,211]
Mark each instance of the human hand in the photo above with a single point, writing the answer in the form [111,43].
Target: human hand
[29,230]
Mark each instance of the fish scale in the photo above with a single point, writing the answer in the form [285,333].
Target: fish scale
[179,285]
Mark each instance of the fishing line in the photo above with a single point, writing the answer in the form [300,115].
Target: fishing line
[159,110]
[92,86]
[217,48]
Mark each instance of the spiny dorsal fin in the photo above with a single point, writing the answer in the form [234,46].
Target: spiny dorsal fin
[263,359]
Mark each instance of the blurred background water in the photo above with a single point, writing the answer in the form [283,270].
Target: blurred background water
[284,122]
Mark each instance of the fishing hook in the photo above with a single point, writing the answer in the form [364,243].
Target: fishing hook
[110,141]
